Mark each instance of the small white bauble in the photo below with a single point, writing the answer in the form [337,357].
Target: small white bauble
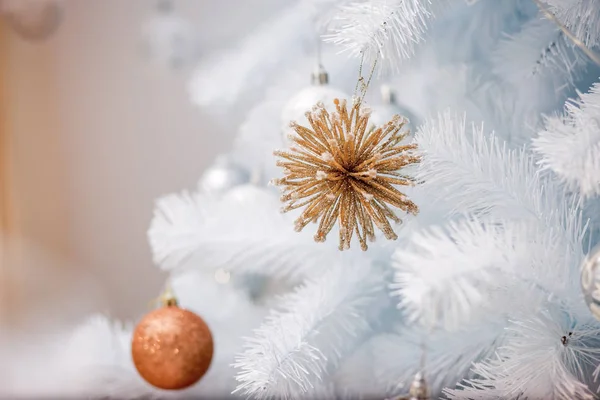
[170,40]
[590,281]
[319,92]
[221,176]
[385,111]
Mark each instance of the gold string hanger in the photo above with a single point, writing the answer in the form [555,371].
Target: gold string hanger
[361,85]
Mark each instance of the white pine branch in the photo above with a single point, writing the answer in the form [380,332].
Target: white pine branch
[570,144]
[243,232]
[476,174]
[538,50]
[548,356]
[387,30]
[176,228]
[448,356]
[386,364]
[462,272]
[92,359]
[473,272]
[514,110]
[443,278]
[581,17]
[300,343]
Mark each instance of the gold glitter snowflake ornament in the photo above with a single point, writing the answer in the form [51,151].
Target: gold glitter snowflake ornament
[342,169]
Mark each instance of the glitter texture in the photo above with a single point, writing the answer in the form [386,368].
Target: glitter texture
[172,348]
[342,169]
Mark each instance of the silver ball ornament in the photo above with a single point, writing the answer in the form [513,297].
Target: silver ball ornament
[384,112]
[319,92]
[590,281]
[222,176]
[419,389]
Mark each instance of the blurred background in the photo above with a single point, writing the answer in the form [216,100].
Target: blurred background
[92,131]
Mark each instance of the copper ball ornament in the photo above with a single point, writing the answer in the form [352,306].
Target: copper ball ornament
[172,348]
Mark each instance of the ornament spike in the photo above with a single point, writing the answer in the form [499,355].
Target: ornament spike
[419,389]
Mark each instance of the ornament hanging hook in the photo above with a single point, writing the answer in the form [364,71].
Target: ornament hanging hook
[319,76]
[167,297]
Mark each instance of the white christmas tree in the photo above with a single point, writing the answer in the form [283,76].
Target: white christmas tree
[480,292]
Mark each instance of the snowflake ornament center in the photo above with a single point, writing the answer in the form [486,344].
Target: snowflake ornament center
[343,170]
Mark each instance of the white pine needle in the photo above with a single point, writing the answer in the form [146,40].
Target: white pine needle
[538,50]
[581,17]
[475,173]
[176,228]
[91,359]
[473,272]
[546,356]
[387,30]
[444,278]
[448,355]
[570,144]
[243,232]
[300,343]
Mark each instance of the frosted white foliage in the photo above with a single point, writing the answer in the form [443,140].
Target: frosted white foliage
[582,17]
[523,236]
[514,110]
[462,165]
[387,30]
[176,226]
[474,272]
[385,365]
[449,356]
[468,33]
[302,341]
[539,48]
[562,349]
[498,267]
[242,231]
[535,69]
[569,145]
[87,360]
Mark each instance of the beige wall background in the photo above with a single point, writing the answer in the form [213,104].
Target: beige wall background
[97,133]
